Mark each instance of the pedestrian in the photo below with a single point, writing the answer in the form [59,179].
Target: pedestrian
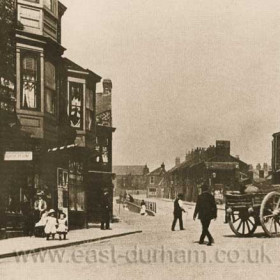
[206,210]
[62,226]
[40,206]
[105,211]
[51,223]
[178,209]
[143,208]
[39,230]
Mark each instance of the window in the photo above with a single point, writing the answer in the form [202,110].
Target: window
[152,180]
[50,88]
[76,187]
[105,155]
[76,105]
[103,148]
[30,82]
[89,108]
[50,4]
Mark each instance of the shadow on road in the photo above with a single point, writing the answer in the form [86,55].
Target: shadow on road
[256,235]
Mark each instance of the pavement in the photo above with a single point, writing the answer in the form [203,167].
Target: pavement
[24,245]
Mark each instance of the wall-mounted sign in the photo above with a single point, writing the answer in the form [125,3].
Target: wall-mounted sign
[18,156]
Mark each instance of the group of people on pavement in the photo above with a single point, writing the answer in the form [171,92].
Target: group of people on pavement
[43,222]
[205,209]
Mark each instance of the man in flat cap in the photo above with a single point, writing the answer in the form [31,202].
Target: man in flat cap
[206,210]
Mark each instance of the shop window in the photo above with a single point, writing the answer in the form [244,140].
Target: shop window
[76,187]
[72,196]
[50,87]
[30,82]
[76,105]
[80,198]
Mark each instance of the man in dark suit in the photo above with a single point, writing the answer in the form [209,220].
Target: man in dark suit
[105,211]
[178,209]
[207,210]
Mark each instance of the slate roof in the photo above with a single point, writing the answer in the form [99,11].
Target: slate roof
[70,65]
[157,172]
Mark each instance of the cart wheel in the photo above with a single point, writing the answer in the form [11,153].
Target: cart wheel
[242,223]
[270,214]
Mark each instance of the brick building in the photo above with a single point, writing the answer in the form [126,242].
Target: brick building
[130,177]
[61,147]
[156,181]
[213,165]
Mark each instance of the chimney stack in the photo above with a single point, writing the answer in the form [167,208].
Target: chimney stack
[177,161]
[222,148]
[107,86]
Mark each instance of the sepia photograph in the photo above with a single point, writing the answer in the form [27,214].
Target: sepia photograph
[139,139]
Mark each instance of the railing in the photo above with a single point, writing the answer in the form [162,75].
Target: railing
[149,205]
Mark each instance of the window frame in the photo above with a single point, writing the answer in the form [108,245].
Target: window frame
[53,9]
[48,88]
[36,56]
[81,85]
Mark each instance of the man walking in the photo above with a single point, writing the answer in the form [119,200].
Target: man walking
[207,210]
[178,209]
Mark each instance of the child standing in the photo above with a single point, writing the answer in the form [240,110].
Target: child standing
[143,208]
[51,223]
[62,226]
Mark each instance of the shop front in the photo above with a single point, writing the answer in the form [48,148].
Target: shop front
[16,192]
[97,182]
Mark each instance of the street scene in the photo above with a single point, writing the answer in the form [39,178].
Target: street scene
[139,139]
[157,252]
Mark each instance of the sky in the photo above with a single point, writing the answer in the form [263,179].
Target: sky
[185,73]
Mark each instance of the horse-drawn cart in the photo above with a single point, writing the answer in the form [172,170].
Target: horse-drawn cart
[245,212]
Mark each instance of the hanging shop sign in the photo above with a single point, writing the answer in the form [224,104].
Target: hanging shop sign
[18,156]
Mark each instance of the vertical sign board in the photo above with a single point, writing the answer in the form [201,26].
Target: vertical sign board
[62,191]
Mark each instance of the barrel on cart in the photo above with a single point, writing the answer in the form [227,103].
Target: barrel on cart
[245,212]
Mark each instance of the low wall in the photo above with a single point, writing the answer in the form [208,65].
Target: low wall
[135,208]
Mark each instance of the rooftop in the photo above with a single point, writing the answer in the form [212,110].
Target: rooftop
[130,169]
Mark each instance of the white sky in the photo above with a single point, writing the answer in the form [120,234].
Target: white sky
[184,73]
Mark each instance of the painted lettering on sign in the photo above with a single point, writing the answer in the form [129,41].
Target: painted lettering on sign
[18,156]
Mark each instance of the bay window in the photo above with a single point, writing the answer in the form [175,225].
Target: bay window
[76,105]
[49,4]
[30,80]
